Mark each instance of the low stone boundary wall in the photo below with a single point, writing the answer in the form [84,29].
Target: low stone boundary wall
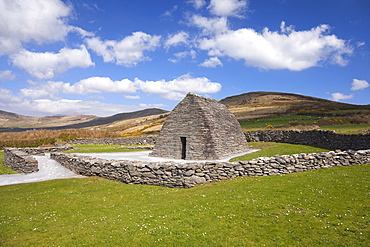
[171,174]
[20,161]
[135,140]
[322,138]
[42,150]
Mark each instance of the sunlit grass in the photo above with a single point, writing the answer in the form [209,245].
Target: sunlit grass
[100,149]
[327,207]
[342,125]
[279,121]
[269,149]
[348,128]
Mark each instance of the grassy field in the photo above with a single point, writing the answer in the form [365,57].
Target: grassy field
[269,149]
[100,149]
[279,121]
[348,128]
[342,125]
[328,207]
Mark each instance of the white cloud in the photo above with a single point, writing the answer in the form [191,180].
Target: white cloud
[151,105]
[169,13]
[46,65]
[92,85]
[176,39]
[197,3]
[44,107]
[40,21]
[44,99]
[6,75]
[132,97]
[290,49]
[174,89]
[102,84]
[340,96]
[182,55]
[359,44]
[359,84]
[217,25]
[127,52]
[178,87]
[228,7]
[212,62]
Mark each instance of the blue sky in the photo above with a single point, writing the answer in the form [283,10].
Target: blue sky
[105,57]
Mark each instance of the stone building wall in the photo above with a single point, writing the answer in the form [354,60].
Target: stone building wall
[19,160]
[199,129]
[171,174]
[135,140]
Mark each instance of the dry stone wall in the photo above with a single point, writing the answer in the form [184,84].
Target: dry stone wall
[171,174]
[322,138]
[136,140]
[19,160]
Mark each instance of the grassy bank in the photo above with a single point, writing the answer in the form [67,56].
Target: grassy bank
[100,149]
[328,207]
[343,125]
[269,149]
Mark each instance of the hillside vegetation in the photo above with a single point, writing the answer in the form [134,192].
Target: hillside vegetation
[268,104]
[11,122]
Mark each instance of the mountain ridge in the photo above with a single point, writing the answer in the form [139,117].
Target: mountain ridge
[244,106]
[263,104]
[16,122]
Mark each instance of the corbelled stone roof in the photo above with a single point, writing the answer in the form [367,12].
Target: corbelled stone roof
[199,129]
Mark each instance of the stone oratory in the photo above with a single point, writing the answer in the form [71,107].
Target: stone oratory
[200,128]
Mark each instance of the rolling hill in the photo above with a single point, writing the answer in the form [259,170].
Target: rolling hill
[266,104]
[15,122]
[244,106]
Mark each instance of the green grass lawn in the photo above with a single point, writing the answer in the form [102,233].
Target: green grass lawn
[327,207]
[348,128]
[279,121]
[293,120]
[101,149]
[269,149]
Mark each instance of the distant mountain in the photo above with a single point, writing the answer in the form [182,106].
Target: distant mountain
[244,106]
[15,122]
[118,117]
[264,104]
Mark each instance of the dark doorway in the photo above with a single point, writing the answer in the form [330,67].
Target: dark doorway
[183,147]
